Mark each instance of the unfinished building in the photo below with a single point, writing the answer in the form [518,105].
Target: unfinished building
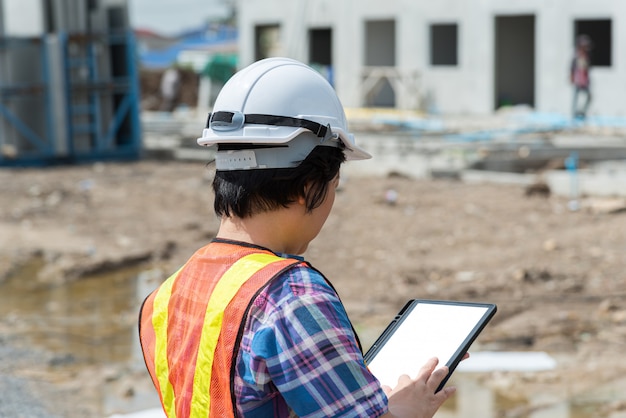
[452,56]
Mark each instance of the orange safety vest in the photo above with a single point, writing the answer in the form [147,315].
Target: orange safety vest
[190,327]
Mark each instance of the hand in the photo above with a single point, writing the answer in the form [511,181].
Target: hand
[416,398]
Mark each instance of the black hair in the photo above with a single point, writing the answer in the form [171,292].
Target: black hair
[243,193]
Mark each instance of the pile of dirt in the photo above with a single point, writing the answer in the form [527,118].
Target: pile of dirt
[557,275]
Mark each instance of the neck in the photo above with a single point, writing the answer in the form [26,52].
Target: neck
[271,230]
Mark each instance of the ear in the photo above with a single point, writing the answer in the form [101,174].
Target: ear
[302,198]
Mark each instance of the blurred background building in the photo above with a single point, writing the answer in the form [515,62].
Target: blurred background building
[68,82]
[453,56]
[76,74]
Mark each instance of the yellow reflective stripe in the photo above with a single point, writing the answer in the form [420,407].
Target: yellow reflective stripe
[159,323]
[242,270]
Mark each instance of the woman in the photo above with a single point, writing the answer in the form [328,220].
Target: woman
[247,327]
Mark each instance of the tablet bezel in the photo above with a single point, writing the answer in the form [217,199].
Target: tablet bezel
[453,362]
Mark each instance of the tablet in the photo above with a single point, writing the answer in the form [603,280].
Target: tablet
[424,329]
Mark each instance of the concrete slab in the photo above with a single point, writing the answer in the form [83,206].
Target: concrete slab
[495,154]
[148,413]
[481,176]
[587,182]
[489,361]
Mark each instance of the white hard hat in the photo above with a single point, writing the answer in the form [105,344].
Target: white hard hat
[272,114]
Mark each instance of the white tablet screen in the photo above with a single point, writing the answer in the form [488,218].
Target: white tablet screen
[428,330]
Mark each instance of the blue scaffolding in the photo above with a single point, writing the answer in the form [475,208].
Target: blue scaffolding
[69,98]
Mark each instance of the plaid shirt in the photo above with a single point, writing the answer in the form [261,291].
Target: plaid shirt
[299,355]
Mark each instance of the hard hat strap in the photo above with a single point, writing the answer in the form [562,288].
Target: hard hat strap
[230,121]
[318,129]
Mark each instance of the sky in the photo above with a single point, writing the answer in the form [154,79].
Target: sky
[170,17]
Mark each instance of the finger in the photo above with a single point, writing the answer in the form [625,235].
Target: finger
[427,369]
[465,356]
[445,393]
[404,380]
[436,378]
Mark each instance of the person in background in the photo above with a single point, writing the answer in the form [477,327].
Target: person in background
[579,76]
[170,89]
[247,327]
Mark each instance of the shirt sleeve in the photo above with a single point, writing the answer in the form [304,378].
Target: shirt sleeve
[311,355]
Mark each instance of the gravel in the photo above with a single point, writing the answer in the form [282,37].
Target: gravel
[24,395]
[17,395]
[17,400]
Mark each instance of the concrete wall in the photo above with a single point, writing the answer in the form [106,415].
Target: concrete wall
[469,87]
[22,18]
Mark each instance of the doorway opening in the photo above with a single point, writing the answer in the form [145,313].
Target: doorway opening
[266,41]
[380,59]
[514,61]
[321,52]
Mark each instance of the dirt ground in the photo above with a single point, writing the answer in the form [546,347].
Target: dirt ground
[558,276]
